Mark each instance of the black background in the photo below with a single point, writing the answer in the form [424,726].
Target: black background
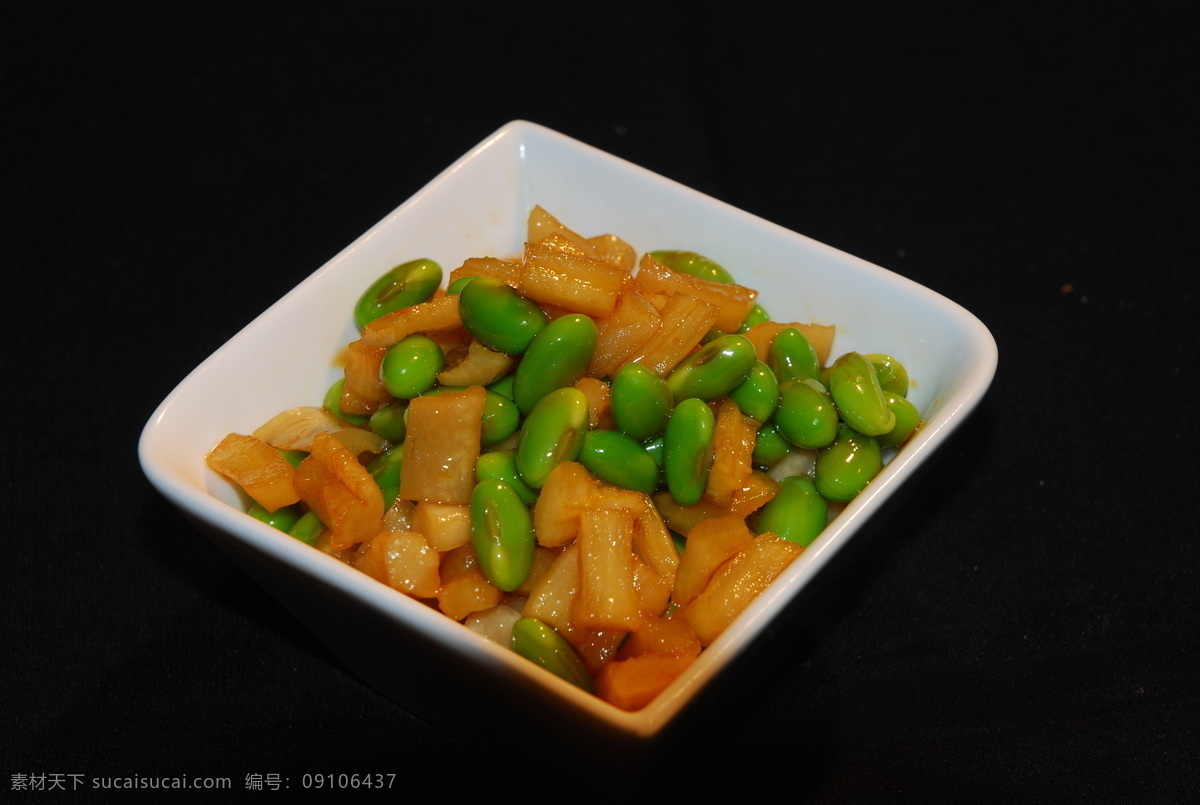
[1022,624]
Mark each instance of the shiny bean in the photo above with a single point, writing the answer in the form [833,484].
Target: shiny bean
[556,357]
[457,285]
[697,265]
[860,401]
[806,416]
[410,367]
[797,513]
[501,534]
[845,467]
[619,459]
[908,419]
[498,316]
[282,518]
[407,284]
[893,377]
[500,415]
[757,315]
[791,355]
[333,403]
[501,465]
[641,402]
[539,643]
[688,450]
[390,421]
[714,369]
[307,528]
[769,446]
[551,434]
[386,468]
[758,394]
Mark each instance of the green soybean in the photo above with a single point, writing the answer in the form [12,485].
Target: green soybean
[407,284]
[893,377]
[792,355]
[501,534]
[806,416]
[282,518]
[410,367]
[797,513]
[757,315]
[860,401]
[500,415]
[539,643]
[845,467]
[501,465]
[503,386]
[619,459]
[758,395]
[908,419]
[498,316]
[387,467]
[333,403]
[688,450]
[641,402]
[714,370]
[556,357]
[769,446]
[551,434]
[293,457]
[697,265]
[390,421]
[307,528]
[457,285]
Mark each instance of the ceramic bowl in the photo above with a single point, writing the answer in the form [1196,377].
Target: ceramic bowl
[478,206]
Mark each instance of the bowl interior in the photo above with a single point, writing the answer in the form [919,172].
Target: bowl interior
[290,355]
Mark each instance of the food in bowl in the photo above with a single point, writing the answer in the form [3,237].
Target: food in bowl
[594,458]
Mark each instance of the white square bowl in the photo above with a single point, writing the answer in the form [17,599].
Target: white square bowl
[476,207]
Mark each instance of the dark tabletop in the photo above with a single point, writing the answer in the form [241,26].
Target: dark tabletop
[1023,623]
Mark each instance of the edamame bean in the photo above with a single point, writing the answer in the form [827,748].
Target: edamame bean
[500,415]
[860,401]
[501,465]
[457,285]
[498,316]
[758,394]
[845,467]
[619,459]
[688,450]
[387,467]
[797,513]
[792,356]
[539,643]
[333,403]
[407,284]
[282,518]
[893,377]
[757,315]
[714,370]
[307,528]
[697,265]
[641,402]
[503,387]
[806,416]
[390,421]
[908,419]
[551,434]
[410,367]
[501,534]
[769,446]
[556,357]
